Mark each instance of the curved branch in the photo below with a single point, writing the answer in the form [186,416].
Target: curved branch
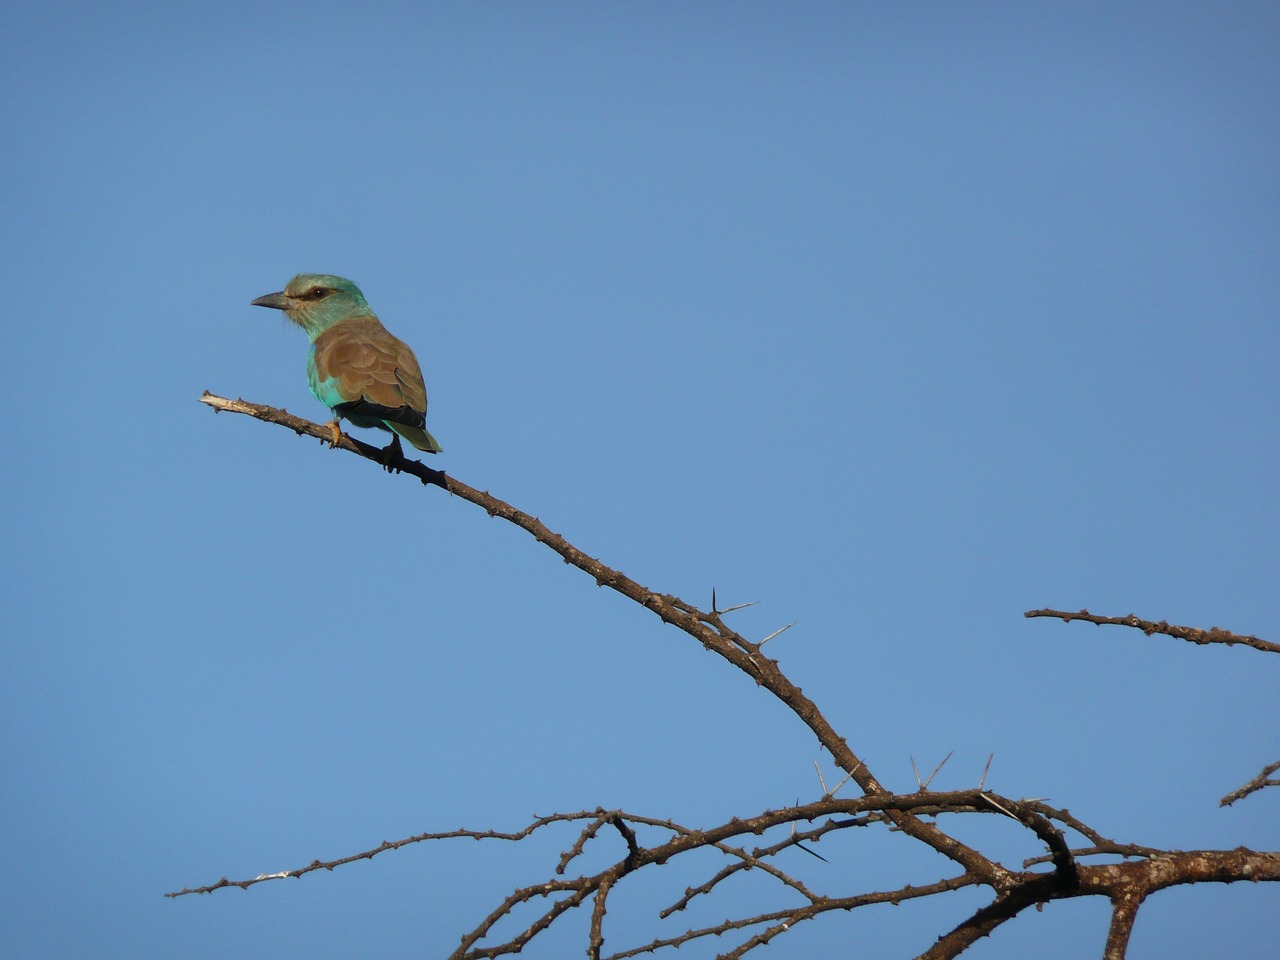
[383,848]
[984,921]
[1059,853]
[1031,814]
[1124,884]
[709,629]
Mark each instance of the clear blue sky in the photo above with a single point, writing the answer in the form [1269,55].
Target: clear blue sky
[901,319]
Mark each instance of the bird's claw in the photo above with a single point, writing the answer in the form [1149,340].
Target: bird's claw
[391,453]
[337,432]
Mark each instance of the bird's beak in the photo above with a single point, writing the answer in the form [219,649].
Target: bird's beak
[276,301]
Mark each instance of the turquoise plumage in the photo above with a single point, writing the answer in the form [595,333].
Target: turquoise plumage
[356,367]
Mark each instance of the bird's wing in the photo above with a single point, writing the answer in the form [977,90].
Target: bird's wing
[409,376]
[361,367]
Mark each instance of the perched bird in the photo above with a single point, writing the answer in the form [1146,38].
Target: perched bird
[356,367]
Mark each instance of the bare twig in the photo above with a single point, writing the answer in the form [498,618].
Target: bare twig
[595,937]
[1253,786]
[383,848]
[1191,634]
[588,833]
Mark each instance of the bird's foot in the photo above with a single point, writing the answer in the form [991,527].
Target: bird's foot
[392,453]
[337,432]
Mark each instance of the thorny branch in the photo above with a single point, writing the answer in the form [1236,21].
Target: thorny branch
[707,628]
[1126,884]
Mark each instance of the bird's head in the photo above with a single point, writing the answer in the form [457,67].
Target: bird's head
[317,301]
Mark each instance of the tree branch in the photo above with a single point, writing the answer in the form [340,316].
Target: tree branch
[1124,911]
[685,839]
[383,848]
[1125,884]
[983,922]
[1253,786]
[709,629]
[1190,634]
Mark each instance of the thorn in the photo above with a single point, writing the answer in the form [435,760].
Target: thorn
[847,778]
[983,782]
[915,771]
[936,769]
[811,853]
[825,792]
[713,600]
[1000,807]
[776,632]
[740,606]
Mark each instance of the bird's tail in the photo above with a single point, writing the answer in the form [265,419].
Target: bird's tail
[420,438]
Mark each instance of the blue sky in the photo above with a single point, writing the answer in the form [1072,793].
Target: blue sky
[901,319]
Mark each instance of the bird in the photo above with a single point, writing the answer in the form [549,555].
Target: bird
[356,367]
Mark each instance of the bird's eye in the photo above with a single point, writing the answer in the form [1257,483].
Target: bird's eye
[319,293]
